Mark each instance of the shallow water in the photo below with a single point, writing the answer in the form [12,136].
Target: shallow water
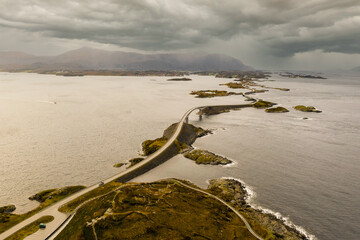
[305,169]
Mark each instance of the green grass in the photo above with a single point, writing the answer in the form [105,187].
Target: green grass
[7,209]
[151,146]
[159,210]
[29,229]
[135,161]
[276,110]
[263,104]
[168,210]
[211,93]
[8,220]
[69,207]
[205,157]
[48,197]
[234,85]
[118,165]
[181,147]
[303,108]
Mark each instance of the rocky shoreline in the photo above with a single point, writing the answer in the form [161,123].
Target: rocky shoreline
[206,157]
[235,192]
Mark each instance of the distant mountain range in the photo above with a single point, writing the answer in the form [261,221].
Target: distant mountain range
[95,59]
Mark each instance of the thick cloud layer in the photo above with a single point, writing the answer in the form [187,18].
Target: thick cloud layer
[282,27]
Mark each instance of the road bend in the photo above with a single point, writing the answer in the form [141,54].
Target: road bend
[227,205]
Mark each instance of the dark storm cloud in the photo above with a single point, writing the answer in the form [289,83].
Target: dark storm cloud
[283,27]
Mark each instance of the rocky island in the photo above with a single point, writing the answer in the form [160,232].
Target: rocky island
[263,104]
[214,110]
[180,79]
[276,110]
[303,108]
[212,93]
[293,75]
[206,157]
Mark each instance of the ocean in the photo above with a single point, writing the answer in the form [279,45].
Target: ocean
[57,131]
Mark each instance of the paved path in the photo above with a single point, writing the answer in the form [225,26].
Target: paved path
[226,204]
[59,217]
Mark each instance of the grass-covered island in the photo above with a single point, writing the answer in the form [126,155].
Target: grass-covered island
[294,75]
[206,157]
[173,209]
[212,93]
[184,79]
[303,108]
[263,104]
[276,110]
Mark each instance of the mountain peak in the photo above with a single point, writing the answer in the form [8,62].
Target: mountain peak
[96,59]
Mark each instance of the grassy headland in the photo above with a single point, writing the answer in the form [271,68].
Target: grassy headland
[169,210]
[46,198]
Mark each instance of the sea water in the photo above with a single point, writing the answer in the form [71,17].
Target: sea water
[57,131]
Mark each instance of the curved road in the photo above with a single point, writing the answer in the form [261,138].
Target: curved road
[226,204]
[60,218]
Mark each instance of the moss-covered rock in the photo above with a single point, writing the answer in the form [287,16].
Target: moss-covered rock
[263,104]
[119,165]
[41,196]
[179,79]
[235,193]
[303,108]
[182,147]
[213,110]
[7,209]
[135,161]
[212,93]
[55,193]
[282,89]
[151,146]
[235,85]
[206,157]
[230,190]
[277,110]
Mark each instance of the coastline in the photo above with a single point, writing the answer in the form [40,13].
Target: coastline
[251,194]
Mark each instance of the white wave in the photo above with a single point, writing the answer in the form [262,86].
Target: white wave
[251,195]
[230,165]
[46,102]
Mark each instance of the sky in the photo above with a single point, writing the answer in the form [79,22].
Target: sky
[265,34]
